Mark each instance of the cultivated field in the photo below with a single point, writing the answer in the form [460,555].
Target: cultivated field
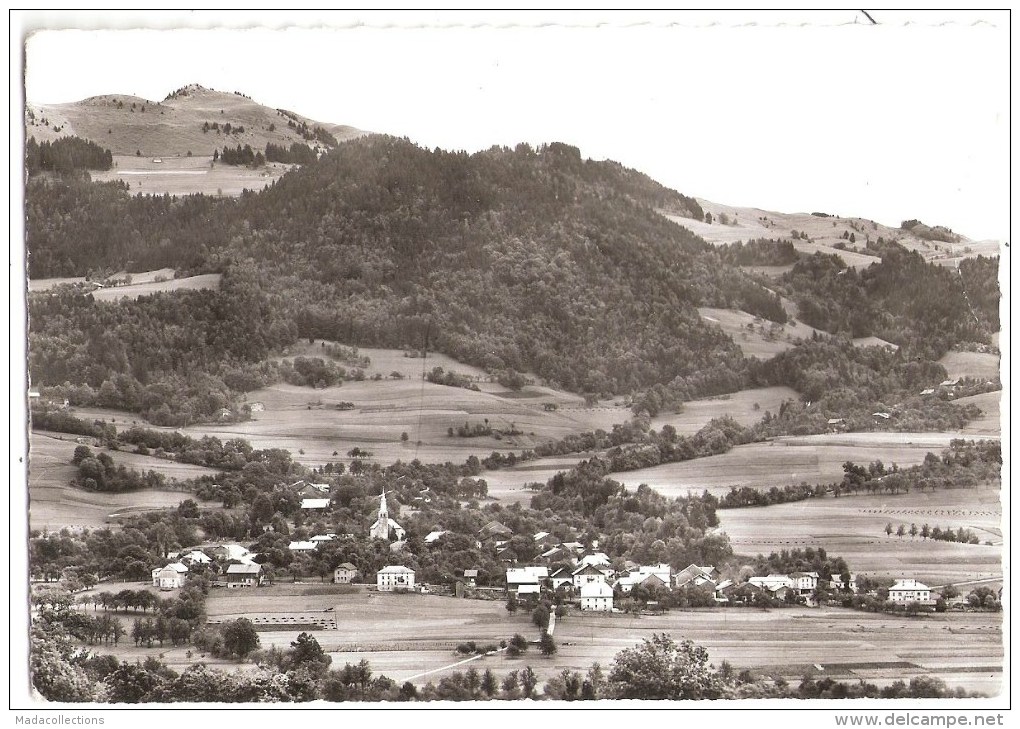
[412,637]
[788,460]
[53,504]
[182,175]
[853,527]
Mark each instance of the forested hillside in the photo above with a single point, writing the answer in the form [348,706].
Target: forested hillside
[924,307]
[522,259]
[510,259]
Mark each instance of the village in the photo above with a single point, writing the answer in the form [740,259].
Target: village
[568,573]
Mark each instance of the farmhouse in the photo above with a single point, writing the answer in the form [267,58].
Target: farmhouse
[804,583]
[586,574]
[314,504]
[471,577]
[434,536]
[597,596]
[232,553]
[384,527]
[837,584]
[301,546]
[596,559]
[243,575]
[694,576]
[195,556]
[909,591]
[561,576]
[648,580]
[654,576]
[493,531]
[394,578]
[345,574]
[527,577]
[170,577]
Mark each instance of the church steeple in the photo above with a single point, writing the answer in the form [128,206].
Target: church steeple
[384,525]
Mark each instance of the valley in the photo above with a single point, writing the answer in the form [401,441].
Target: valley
[365,342]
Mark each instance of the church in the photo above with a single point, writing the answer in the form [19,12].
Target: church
[384,526]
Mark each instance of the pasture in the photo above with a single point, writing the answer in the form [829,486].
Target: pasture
[45,284]
[979,365]
[853,527]
[746,407]
[134,290]
[142,284]
[824,234]
[755,336]
[989,424]
[405,636]
[183,175]
[53,504]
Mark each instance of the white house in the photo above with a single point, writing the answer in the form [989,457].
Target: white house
[345,573]
[909,591]
[804,583]
[434,536]
[312,504]
[302,546]
[170,577]
[394,578]
[597,596]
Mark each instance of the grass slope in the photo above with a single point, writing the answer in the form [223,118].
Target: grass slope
[53,504]
[172,126]
[824,233]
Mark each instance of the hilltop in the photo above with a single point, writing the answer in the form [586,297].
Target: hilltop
[183,122]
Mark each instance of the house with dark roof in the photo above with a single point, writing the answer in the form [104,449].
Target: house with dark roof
[243,575]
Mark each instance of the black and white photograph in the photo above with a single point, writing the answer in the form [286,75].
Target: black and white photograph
[510,360]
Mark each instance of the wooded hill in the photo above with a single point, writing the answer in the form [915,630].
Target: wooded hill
[509,259]
[526,259]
